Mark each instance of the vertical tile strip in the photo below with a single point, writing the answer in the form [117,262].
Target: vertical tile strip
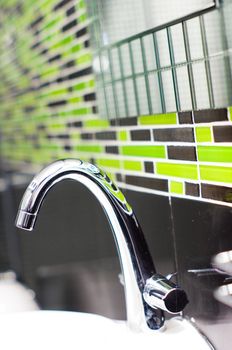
[161,88]
[137,99]
[189,65]
[174,77]
[146,77]
[207,63]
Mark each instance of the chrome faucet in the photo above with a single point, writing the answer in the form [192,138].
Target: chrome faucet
[147,293]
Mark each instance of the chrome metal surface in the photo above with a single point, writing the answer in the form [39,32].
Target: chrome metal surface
[146,292]
[223,261]
[161,292]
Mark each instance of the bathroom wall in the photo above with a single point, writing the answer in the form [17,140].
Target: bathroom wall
[154,111]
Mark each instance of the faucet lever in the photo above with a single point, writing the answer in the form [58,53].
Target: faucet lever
[159,292]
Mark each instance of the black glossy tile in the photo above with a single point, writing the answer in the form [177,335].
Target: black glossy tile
[222,133]
[41,127]
[86,136]
[113,122]
[79,73]
[34,46]
[149,167]
[154,215]
[61,4]
[106,135]
[112,149]
[174,134]
[69,64]
[57,103]
[140,135]
[119,177]
[185,117]
[90,97]
[44,51]
[221,193]
[68,147]
[54,58]
[94,109]
[201,230]
[192,189]
[182,152]
[147,182]
[55,281]
[92,240]
[81,32]
[70,11]
[63,136]
[76,124]
[128,121]
[37,21]
[210,115]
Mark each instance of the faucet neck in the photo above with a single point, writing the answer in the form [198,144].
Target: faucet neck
[135,259]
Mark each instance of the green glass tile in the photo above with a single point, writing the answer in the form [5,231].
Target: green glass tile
[76,48]
[50,71]
[122,135]
[82,17]
[108,163]
[89,148]
[79,86]
[51,147]
[176,187]
[96,123]
[58,92]
[46,6]
[203,134]
[169,118]
[187,171]
[52,22]
[75,99]
[56,126]
[230,113]
[132,165]
[62,42]
[214,153]
[90,83]
[86,58]
[81,111]
[81,4]
[144,151]
[214,173]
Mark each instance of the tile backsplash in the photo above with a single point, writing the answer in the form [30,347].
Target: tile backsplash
[49,110]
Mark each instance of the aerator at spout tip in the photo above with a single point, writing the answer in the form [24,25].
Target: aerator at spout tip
[25,220]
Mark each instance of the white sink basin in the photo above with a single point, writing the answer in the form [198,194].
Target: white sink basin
[71,330]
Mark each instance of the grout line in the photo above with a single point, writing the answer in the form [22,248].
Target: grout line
[167,194]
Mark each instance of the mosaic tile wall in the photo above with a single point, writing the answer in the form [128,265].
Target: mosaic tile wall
[46,80]
[49,111]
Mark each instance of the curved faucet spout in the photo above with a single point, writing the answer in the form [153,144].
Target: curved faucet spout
[146,291]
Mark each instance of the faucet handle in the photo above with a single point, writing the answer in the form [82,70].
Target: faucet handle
[159,292]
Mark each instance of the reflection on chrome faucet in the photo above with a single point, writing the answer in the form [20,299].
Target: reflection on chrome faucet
[147,293]
[223,261]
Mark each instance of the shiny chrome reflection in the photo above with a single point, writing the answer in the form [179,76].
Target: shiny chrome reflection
[223,261]
[224,294]
[147,293]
